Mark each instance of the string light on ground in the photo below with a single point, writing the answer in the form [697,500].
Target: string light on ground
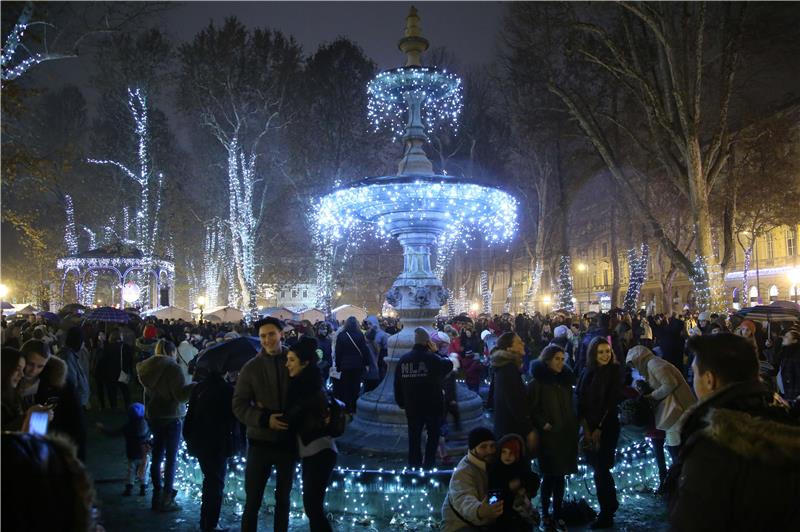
[412,498]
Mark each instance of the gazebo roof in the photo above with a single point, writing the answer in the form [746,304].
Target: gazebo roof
[115,250]
[114,255]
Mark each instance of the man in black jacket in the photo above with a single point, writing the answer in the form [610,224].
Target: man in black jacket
[739,463]
[418,390]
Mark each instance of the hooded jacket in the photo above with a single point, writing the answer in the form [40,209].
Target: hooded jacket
[669,387]
[510,413]
[166,389]
[739,464]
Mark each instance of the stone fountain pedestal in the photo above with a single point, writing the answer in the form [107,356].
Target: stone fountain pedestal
[379,425]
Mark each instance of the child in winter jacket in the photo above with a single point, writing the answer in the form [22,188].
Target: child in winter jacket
[511,477]
[137,446]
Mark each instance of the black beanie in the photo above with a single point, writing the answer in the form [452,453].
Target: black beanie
[478,436]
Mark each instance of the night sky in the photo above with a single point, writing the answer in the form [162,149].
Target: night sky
[467,29]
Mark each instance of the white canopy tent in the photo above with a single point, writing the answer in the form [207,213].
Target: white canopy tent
[345,311]
[223,314]
[23,309]
[282,313]
[170,313]
[313,315]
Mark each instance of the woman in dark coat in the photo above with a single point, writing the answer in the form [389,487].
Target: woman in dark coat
[599,391]
[308,417]
[510,414]
[553,414]
[352,358]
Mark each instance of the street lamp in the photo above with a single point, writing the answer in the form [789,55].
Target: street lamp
[546,301]
[201,302]
[584,268]
[794,277]
[3,294]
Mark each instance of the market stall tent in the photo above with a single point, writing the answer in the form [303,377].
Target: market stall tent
[345,311]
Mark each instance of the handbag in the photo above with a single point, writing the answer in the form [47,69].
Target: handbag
[577,512]
[124,377]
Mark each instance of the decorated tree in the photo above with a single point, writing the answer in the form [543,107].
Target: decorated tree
[235,82]
[150,184]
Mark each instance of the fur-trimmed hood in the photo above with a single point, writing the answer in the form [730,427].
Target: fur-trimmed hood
[754,438]
[54,373]
[739,418]
[502,358]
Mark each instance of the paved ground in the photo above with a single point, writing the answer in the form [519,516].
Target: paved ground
[107,465]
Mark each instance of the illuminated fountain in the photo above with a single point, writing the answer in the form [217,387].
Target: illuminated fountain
[415,206]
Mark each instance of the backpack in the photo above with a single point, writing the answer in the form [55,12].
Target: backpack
[338,417]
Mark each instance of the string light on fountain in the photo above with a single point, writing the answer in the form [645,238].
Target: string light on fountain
[429,97]
[390,91]
[469,210]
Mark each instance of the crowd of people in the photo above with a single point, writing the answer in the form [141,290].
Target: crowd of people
[719,393]
[713,385]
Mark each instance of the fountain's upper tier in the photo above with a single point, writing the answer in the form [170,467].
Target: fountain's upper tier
[433,204]
[398,98]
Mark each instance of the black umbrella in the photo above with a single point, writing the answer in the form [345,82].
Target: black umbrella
[107,314]
[229,355]
[770,313]
[72,308]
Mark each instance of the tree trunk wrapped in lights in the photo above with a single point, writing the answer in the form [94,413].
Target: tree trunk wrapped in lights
[565,292]
[486,294]
[151,183]
[637,268]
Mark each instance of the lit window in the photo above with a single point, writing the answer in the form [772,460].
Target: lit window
[753,294]
[773,293]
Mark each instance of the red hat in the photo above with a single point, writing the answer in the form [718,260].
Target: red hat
[749,324]
[513,442]
[150,332]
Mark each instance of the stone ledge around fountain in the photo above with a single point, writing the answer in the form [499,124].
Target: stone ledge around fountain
[366,434]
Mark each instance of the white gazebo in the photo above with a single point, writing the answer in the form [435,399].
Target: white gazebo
[123,260]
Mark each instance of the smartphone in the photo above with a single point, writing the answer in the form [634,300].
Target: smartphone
[494,496]
[38,423]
